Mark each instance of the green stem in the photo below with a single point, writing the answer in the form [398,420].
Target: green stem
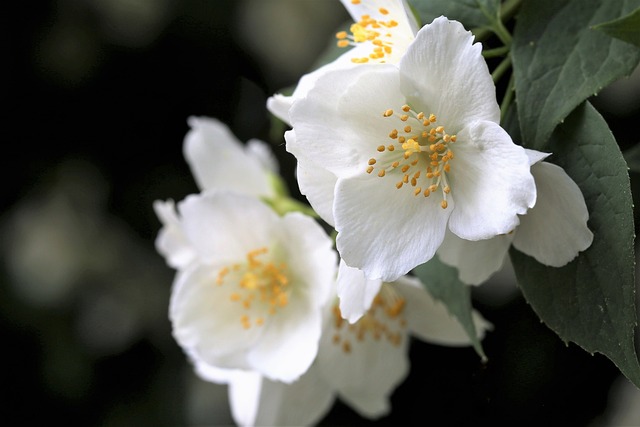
[508,9]
[508,97]
[501,69]
[498,51]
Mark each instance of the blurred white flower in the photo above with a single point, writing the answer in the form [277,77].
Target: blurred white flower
[554,231]
[362,363]
[251,297]
[395,157]
[381,33]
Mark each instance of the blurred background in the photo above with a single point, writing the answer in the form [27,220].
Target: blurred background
[98,93]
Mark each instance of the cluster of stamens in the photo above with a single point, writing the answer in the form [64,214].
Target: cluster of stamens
[257,282]
[384,320]
[419,154]
[368,29]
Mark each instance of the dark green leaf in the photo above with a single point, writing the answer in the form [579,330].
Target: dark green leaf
[471,13]
[591,301]
[443,284]
[559,61]
[626,28]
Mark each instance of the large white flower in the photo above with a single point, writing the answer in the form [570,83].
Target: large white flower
[381,33]
[393,157]
[252,296]
[361,363]
[554,231]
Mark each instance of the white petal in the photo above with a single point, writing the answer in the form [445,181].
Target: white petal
[365,376]
[219,161]
[356,293]
[385,231]
[315,182]
[429,319]
[445,74]
[555,230]
[490,181]
[477,260]
[303,402]
[535,156]
[205,321]
[261,151]
[310,256]
[225,226]
[289,342]
[340,121]
[171,241]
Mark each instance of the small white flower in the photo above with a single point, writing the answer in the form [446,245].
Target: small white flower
[554,231]
[361,363]
[219,161]
[381,33]
[252,297]
[393,158]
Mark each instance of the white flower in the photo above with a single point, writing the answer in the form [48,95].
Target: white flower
[554,231]
[381,33]
[361,363]
[252,297]
[219,161]
[394,157]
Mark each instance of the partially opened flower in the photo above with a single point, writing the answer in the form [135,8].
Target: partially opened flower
[361,363]
[554,231]
[252,298]
[393,157]
[218,160]
[381,33]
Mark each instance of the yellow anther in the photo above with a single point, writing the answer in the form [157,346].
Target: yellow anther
[259,321]
[414,182]
[341,35]
[440,129]
[346,347]
[395,164]
[432,147]
[405,168]
[447,168]
[447,189]
[405,179]
[372,161]
[432,118]
[399,184]
[342,43]
[415,162]
[416,175]
[380,148]
[406,108]
[420,115]
[407,129]
[417,191]
[401,139]
[355,1]
[404,117]
[391,147]
[370,169]
[429,175]
[360,60]
[453,138]
[444,204]
[446,137]
[381,173]
[433,187]
[388,113]
[235,297]
[383,11]
[426,192]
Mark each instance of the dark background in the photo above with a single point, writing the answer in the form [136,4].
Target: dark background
[98,93]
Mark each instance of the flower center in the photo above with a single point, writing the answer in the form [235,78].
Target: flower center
[384,320]
[256,282]
[370,30]
[419,156]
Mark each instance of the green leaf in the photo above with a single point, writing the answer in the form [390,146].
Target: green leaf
[591,301]
[472,13]
[626,28]
[559,61]
[442,282]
